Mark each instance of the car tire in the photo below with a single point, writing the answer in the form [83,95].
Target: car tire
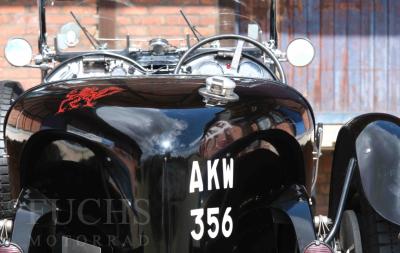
[377,234]
[9,92]
[349,234]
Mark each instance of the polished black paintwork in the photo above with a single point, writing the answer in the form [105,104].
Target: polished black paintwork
[144,141]
[373,139]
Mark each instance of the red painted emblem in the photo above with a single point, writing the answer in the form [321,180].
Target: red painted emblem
[85,97]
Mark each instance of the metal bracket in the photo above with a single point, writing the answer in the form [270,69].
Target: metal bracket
[346,186]
[322,224]
[5,231]
[317,153]
[236,57]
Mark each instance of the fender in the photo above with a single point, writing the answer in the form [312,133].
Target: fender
[49,149]
[374,139]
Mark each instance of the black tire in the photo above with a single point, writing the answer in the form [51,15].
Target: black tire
[377,234]
[9,92]
[349,234]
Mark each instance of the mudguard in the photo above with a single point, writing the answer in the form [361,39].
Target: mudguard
[374,139]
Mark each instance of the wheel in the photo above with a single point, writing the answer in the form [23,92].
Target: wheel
[377,234]
[349,235]
[9,92]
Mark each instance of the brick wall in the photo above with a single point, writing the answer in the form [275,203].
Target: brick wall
[324,177]
[143,20]
[18,19]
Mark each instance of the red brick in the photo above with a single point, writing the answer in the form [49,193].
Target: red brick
[3,63]
[200,10]
[20,19]
[30,30]
[148,20]
[184,2]
[323,178]
[4,19]
[23,2]
[181,42]
[13,31]
[134,31]
[322,199]
[179,20]
[89,20]
[52,30]
[166,31]
[323,189]
[208,20]
[147,2]
[207,31]
[12,9]
[14,73]
[60,19]
[209,2]
[32,81]
[79,10]
[322,210]
[123,20]
[160,10]
[133,10]
[52,11]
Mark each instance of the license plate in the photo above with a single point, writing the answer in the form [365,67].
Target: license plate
[73,246]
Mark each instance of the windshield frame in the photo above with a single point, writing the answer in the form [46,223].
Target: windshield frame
[42,41]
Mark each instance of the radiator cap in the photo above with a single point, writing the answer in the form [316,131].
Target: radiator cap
[219,90]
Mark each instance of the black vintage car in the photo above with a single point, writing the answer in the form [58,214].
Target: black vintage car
[183,147]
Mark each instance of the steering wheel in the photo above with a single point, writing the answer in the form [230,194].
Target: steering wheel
[238,51]
[78,58]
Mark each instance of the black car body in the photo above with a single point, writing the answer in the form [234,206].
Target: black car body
[154,163]
[181,162]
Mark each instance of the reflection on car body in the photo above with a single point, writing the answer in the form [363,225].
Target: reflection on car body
[189,144]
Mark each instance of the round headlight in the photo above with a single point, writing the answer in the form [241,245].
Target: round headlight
[68,36]
[18,52]
[300,52]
